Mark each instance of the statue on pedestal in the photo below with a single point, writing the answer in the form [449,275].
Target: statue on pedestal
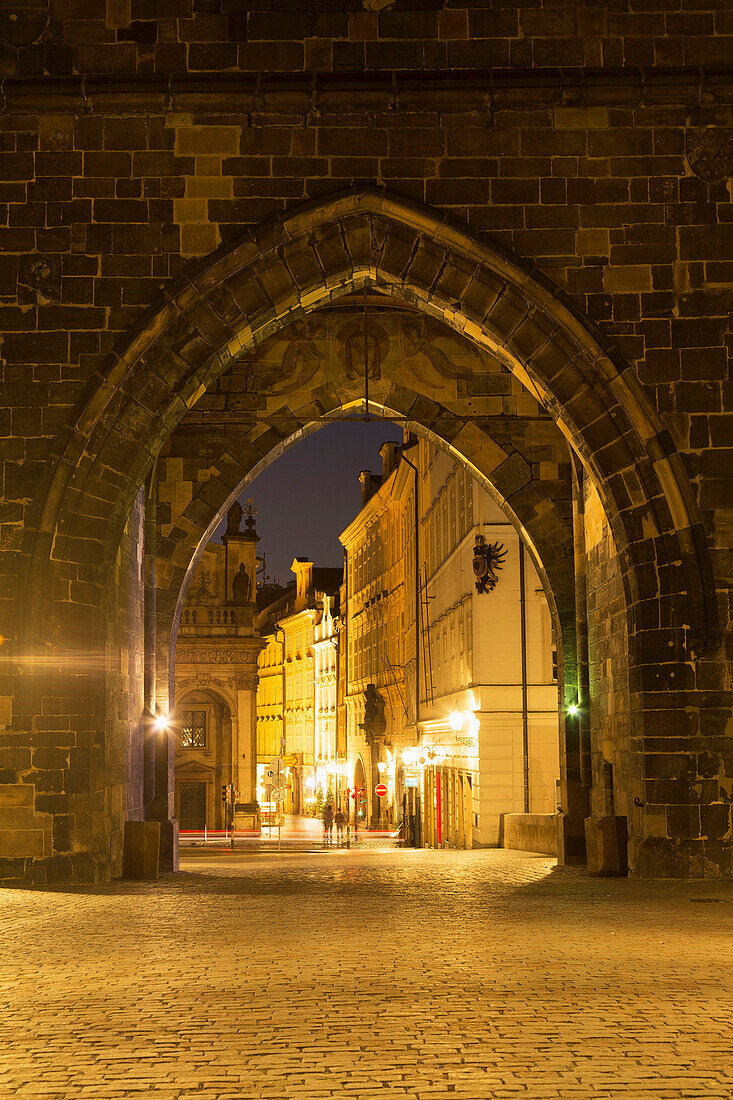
[234,518]
[241,585]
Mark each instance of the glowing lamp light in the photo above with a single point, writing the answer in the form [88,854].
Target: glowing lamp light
[161,722]
[573,710]
[456,720]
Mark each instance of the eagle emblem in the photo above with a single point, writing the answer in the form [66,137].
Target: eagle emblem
[488,559]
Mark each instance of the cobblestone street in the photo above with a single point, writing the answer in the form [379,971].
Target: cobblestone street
[377,973]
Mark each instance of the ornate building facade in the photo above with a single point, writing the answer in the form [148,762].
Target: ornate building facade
[296,703]
[214,719]
[481,739]
[378,617]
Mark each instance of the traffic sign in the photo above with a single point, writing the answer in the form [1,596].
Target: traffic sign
[381,789]
[277,794]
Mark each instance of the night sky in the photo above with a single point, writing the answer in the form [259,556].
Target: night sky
[309,494]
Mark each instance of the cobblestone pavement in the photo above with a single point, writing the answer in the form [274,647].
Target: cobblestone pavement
[368,973]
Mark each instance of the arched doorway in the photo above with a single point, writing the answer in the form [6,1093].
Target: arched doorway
[280,274]
[202,727]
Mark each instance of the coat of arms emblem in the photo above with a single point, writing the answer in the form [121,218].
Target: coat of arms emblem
[488,559]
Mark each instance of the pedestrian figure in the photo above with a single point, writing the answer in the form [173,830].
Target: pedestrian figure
[328,824]
[340,820]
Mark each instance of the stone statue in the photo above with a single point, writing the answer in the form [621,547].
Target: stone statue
[234,518]
[240,585]
[374,720]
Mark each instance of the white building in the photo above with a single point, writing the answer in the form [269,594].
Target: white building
[325,672]
[486,739]
[488,708]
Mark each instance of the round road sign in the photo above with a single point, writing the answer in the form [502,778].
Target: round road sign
[381,789]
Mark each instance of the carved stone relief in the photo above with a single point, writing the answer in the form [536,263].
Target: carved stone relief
[41,273]
[709,152]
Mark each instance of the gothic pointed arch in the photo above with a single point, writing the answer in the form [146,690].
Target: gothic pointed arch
[288,267]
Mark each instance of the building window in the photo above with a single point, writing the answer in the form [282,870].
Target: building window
[193,729]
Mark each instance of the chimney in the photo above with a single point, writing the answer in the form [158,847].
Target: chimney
[369,484]
[303,569]
[388,451]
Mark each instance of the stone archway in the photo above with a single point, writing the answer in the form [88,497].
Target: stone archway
[294,264]
[280,273]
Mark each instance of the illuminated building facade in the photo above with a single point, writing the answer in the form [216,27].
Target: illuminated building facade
[214,720]
[325,683]
[486,740]
[488,707]
[287,692]
[379,628]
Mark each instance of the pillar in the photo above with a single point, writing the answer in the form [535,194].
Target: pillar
[576,796]
[244,752]
[159,747]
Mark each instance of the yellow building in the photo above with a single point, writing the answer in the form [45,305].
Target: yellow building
[379,617]
[286,693]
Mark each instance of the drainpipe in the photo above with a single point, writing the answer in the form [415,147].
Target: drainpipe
[525,715]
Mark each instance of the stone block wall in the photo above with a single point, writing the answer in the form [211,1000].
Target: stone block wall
[594,143]
[269,36]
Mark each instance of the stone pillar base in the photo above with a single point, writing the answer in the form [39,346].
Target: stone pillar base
[606,841]
[570,845]
[668,857]
[247,817]
[141,852]
[169,845]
